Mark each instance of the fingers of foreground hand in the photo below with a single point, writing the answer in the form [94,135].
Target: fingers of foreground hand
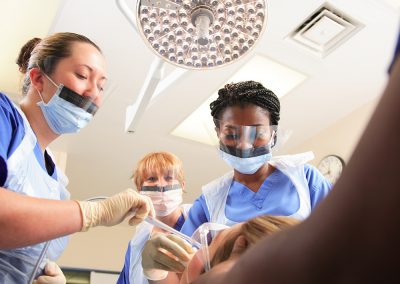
[53,275]
[174,245]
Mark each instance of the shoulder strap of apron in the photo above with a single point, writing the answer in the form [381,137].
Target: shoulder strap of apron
[216,193]
[293,167]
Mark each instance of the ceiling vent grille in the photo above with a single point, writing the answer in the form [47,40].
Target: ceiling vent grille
[325,30]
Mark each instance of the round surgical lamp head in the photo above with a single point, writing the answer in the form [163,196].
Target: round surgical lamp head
[201,34]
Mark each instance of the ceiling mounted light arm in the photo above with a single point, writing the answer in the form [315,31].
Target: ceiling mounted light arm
[127,12]
[136,110]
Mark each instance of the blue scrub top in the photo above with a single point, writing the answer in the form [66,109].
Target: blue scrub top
[396,53]
[124,275]
[11,127]
[12,132]
[3,171]
[276,196]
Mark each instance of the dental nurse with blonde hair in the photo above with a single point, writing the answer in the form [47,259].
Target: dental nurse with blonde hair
[159,176]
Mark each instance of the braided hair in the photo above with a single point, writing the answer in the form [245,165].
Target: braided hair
[245,93]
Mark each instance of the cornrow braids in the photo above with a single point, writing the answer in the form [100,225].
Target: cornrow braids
[244,93]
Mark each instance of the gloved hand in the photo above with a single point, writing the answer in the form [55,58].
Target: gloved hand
[53,275]
[165,252]
[115,209]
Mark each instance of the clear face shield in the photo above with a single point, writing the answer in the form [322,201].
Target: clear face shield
[72,97]
[205,235]
[160,180]
[82,102]
[164,189]
[245,141]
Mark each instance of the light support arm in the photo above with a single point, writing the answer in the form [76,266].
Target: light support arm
[154,84]
[136,110]
[127,12]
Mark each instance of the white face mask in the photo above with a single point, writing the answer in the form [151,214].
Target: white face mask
[164,202]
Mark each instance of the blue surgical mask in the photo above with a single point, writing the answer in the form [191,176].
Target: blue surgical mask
[67,111]
[246,166]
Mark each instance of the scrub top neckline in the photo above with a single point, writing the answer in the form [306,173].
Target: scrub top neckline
[271,178]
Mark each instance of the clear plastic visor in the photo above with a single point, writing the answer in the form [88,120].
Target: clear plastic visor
[158,180]
[82,102]
[245,141]
[74,98]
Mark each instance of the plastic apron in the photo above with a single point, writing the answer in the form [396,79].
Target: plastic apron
[137,243]
[27,177]
[216,192]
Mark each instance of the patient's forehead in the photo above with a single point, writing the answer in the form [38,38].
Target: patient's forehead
[156,173]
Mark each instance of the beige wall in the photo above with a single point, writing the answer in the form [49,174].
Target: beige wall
[341,138]
[100,248]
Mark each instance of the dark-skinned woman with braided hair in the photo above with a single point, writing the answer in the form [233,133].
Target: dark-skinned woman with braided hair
[246,117]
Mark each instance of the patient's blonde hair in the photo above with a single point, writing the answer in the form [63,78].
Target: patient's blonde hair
[253,230]
[158,162]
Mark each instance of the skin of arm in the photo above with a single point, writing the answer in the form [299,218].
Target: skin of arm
[352,236]
[22,217]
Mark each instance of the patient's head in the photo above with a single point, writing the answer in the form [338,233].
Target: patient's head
[225,242]
[252,231]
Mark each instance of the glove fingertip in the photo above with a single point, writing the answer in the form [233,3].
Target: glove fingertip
[50,268]
[135,220]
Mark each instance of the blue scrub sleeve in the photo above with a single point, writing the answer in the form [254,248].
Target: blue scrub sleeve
[124,275]
[3,171]
[396,53]
[318,185]
[11,127]
[5,130]
[198,215]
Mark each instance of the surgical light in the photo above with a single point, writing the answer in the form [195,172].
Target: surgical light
[201,34]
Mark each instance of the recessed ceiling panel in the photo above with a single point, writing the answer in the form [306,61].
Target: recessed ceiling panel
[325,30]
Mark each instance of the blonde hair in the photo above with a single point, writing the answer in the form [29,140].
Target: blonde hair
[158,162]
[253,230]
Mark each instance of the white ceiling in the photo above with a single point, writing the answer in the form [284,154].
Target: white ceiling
[101,157]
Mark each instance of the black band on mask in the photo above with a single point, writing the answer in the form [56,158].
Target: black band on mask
[80,101]
[156,188]
[245,153]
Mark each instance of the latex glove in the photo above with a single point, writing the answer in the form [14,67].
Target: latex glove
[165,252]
[52,275]
[115,209]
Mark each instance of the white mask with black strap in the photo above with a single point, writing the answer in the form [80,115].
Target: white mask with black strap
[166,199]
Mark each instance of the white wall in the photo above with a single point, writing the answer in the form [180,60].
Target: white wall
[340,138]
